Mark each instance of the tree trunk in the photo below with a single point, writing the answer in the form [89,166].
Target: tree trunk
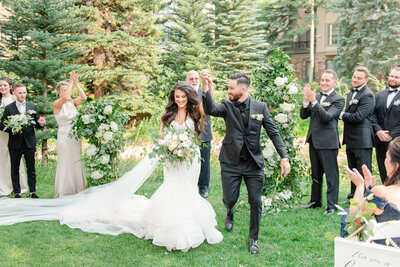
[99,58]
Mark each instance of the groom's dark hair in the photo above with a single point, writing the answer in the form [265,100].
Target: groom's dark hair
[241,78]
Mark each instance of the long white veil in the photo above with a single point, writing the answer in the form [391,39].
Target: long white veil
[102,209]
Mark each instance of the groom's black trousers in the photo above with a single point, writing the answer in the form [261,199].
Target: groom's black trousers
[15,157]
[231,176]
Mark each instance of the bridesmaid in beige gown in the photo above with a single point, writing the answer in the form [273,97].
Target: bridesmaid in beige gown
[5,164]
[70,177]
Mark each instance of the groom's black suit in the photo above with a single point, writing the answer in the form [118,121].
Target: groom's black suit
[357,131]
[240,154]
[323,139]
[22,144]
[385,119]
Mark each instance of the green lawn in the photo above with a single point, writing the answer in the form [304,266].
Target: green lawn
[294,237]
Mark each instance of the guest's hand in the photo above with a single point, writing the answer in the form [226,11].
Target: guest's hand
[205,79]
[355,176]
[285,167]
[42,121]
[369,178]
[383,135]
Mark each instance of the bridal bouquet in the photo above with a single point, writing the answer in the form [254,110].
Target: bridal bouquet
[176,146]
[17,122]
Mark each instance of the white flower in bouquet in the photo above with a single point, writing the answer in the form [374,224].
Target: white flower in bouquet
[108,110]
[180,153]
[108,136]
[186,144]
[98,134]
[114,126]
[96,175]
[281,81]
[172,145]
[86,119]
[105,159]
[91,151]
[287,107]
[183,137]
[281,118]
[292,89]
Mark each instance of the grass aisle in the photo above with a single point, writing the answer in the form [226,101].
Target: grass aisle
[296,237]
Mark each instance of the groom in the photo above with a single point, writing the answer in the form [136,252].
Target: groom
[240,154]
[22,144]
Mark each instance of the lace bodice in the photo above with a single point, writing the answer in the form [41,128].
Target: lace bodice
[188,124]
[5,101]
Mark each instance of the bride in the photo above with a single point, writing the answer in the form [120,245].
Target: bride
[175,217]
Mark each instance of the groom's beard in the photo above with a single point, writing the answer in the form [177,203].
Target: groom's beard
[235,97]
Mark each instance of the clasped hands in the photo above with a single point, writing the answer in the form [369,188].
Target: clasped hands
[309,95]
[206,80]
[384,136]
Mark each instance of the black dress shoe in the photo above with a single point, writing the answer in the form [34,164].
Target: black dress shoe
[229,220]
[253,246]
[311,205]
[328,211]
[33,195]
[204,194]
[17,196]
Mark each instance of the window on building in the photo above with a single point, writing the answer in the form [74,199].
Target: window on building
[330,64]
[333,34]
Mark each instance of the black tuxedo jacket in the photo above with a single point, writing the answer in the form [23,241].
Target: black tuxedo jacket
[237,134]
[207,134]
[28,133]
[387,118]
[357,118]
[323,130]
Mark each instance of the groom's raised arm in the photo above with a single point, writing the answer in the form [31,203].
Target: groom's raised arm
[273,133]
[210,108]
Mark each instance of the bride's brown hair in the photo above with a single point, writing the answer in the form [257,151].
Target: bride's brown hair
[194,108]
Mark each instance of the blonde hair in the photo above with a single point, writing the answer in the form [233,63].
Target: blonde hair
[59,85]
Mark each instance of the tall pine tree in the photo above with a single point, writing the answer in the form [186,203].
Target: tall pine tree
[122,39]
[236,39]
[369,35]
[185,28]
[39,38]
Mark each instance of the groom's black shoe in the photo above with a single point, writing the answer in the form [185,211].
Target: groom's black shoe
[17,196]
[229,219]
[33,195]
[253,246]
[311,205]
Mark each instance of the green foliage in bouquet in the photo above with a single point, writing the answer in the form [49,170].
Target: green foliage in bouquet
[101,123]
[16,123]
[276,84]
[176,145]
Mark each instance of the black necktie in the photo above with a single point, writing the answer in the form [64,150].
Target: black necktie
[242,108]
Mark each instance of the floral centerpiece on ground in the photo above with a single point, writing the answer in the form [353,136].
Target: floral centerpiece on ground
[276,84]
[17,122]
[175,145]
[102,124]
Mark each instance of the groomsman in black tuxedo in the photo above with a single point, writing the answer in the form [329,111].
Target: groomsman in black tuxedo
[323,109]
[240,155]
[358,135]
[22,144]
[193,78]
[386,119]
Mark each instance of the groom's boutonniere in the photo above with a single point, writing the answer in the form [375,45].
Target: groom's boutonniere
[353,101]
[31,112]
[396,103]
[326,104]
[258,117]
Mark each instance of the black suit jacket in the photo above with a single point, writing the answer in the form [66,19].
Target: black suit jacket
[237,134]
[358,132]
[207,134]
[28,133]
[323,130]
[387,118]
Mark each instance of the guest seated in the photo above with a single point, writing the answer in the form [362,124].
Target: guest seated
[386,196]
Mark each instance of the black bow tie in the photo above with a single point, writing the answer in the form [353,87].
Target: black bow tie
[322,94]
[354,90]
[393,91]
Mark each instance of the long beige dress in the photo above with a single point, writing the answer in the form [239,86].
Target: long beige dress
[5,162]
[70,177]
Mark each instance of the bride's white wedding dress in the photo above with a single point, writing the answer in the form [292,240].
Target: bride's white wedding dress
[176,216]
